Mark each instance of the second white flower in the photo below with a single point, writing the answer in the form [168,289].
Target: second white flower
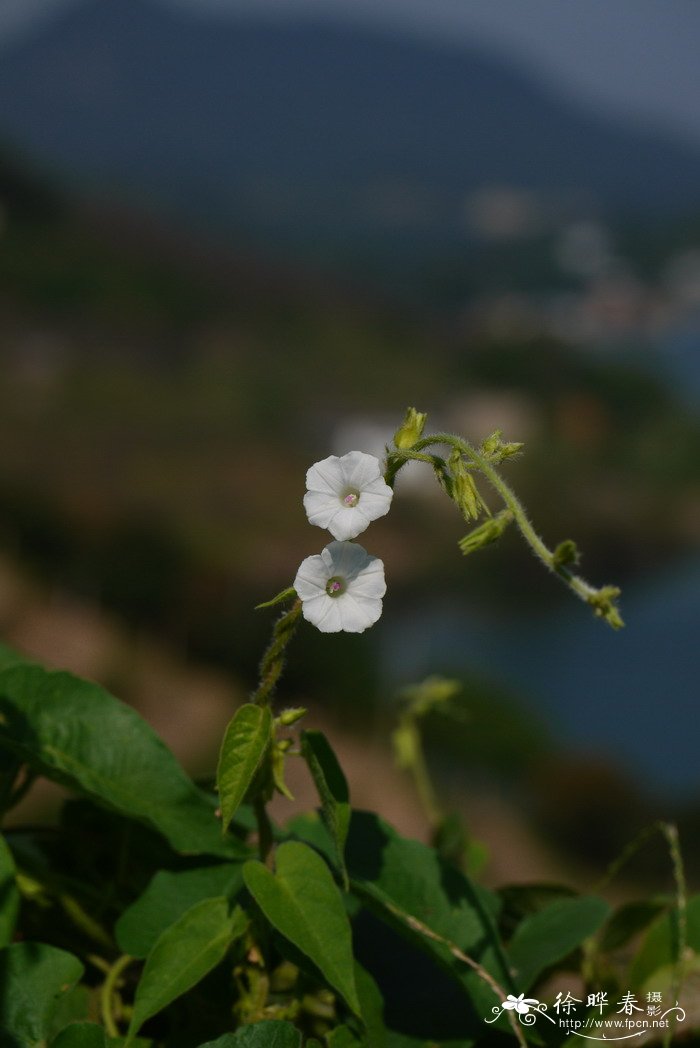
[341,588]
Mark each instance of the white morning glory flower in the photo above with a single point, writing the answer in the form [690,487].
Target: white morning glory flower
[345,494]
[341,588]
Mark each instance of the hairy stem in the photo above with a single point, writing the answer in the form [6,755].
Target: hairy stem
[272,662]
[601,600]
[483,974]
[680,923]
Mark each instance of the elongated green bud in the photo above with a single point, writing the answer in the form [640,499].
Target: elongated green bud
[411,429]
[290,716]
[464,489]
[485,534]
[496,450]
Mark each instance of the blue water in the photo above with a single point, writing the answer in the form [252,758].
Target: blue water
[632,696]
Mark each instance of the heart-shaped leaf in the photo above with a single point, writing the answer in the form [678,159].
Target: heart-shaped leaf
[302,901]
[183,955]
[168,896]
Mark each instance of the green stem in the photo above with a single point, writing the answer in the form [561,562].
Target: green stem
[272,662]
[418,769]
[265,835]
[670,834]
[602,600]
[459,954]
[108,991]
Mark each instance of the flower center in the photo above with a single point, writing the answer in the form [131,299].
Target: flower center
[336,586]
[350,498]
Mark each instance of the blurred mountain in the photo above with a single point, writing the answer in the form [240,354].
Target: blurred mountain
[327,140]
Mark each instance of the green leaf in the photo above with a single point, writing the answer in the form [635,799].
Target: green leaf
[332,789]
[285,595]
[343,1037]
[80,1035]
[168,896]
[310,828]
[183,955]
[9,894]
[628,921]
[302,901]
[551,934]
[660,946]
[271,1033]
[33,978]
[372,1006]
[77,734]
[405,882]
[72,1007]
[245,744]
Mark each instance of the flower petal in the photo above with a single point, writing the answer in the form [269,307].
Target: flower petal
[356,616]
[326,476]
[360,469]
[311,578]
[321,507]
[374,504]
[370,582]
[359,613]
[346,524]
[347,558]
[323,613]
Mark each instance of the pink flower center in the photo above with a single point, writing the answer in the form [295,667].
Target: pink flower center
[350,499]
[336,586]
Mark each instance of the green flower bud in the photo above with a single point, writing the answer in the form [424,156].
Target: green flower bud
[290,716]
[464,490]
[496,450]
[604,606]
[279,756]
[565,554]
[411,429]
[486,533]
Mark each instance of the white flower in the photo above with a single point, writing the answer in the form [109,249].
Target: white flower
[341,588]
[345,494]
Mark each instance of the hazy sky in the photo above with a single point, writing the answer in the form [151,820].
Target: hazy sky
[635,56]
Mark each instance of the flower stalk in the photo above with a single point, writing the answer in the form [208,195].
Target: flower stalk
[601,600]
[272,662]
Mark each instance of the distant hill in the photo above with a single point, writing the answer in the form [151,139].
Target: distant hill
[327,142]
